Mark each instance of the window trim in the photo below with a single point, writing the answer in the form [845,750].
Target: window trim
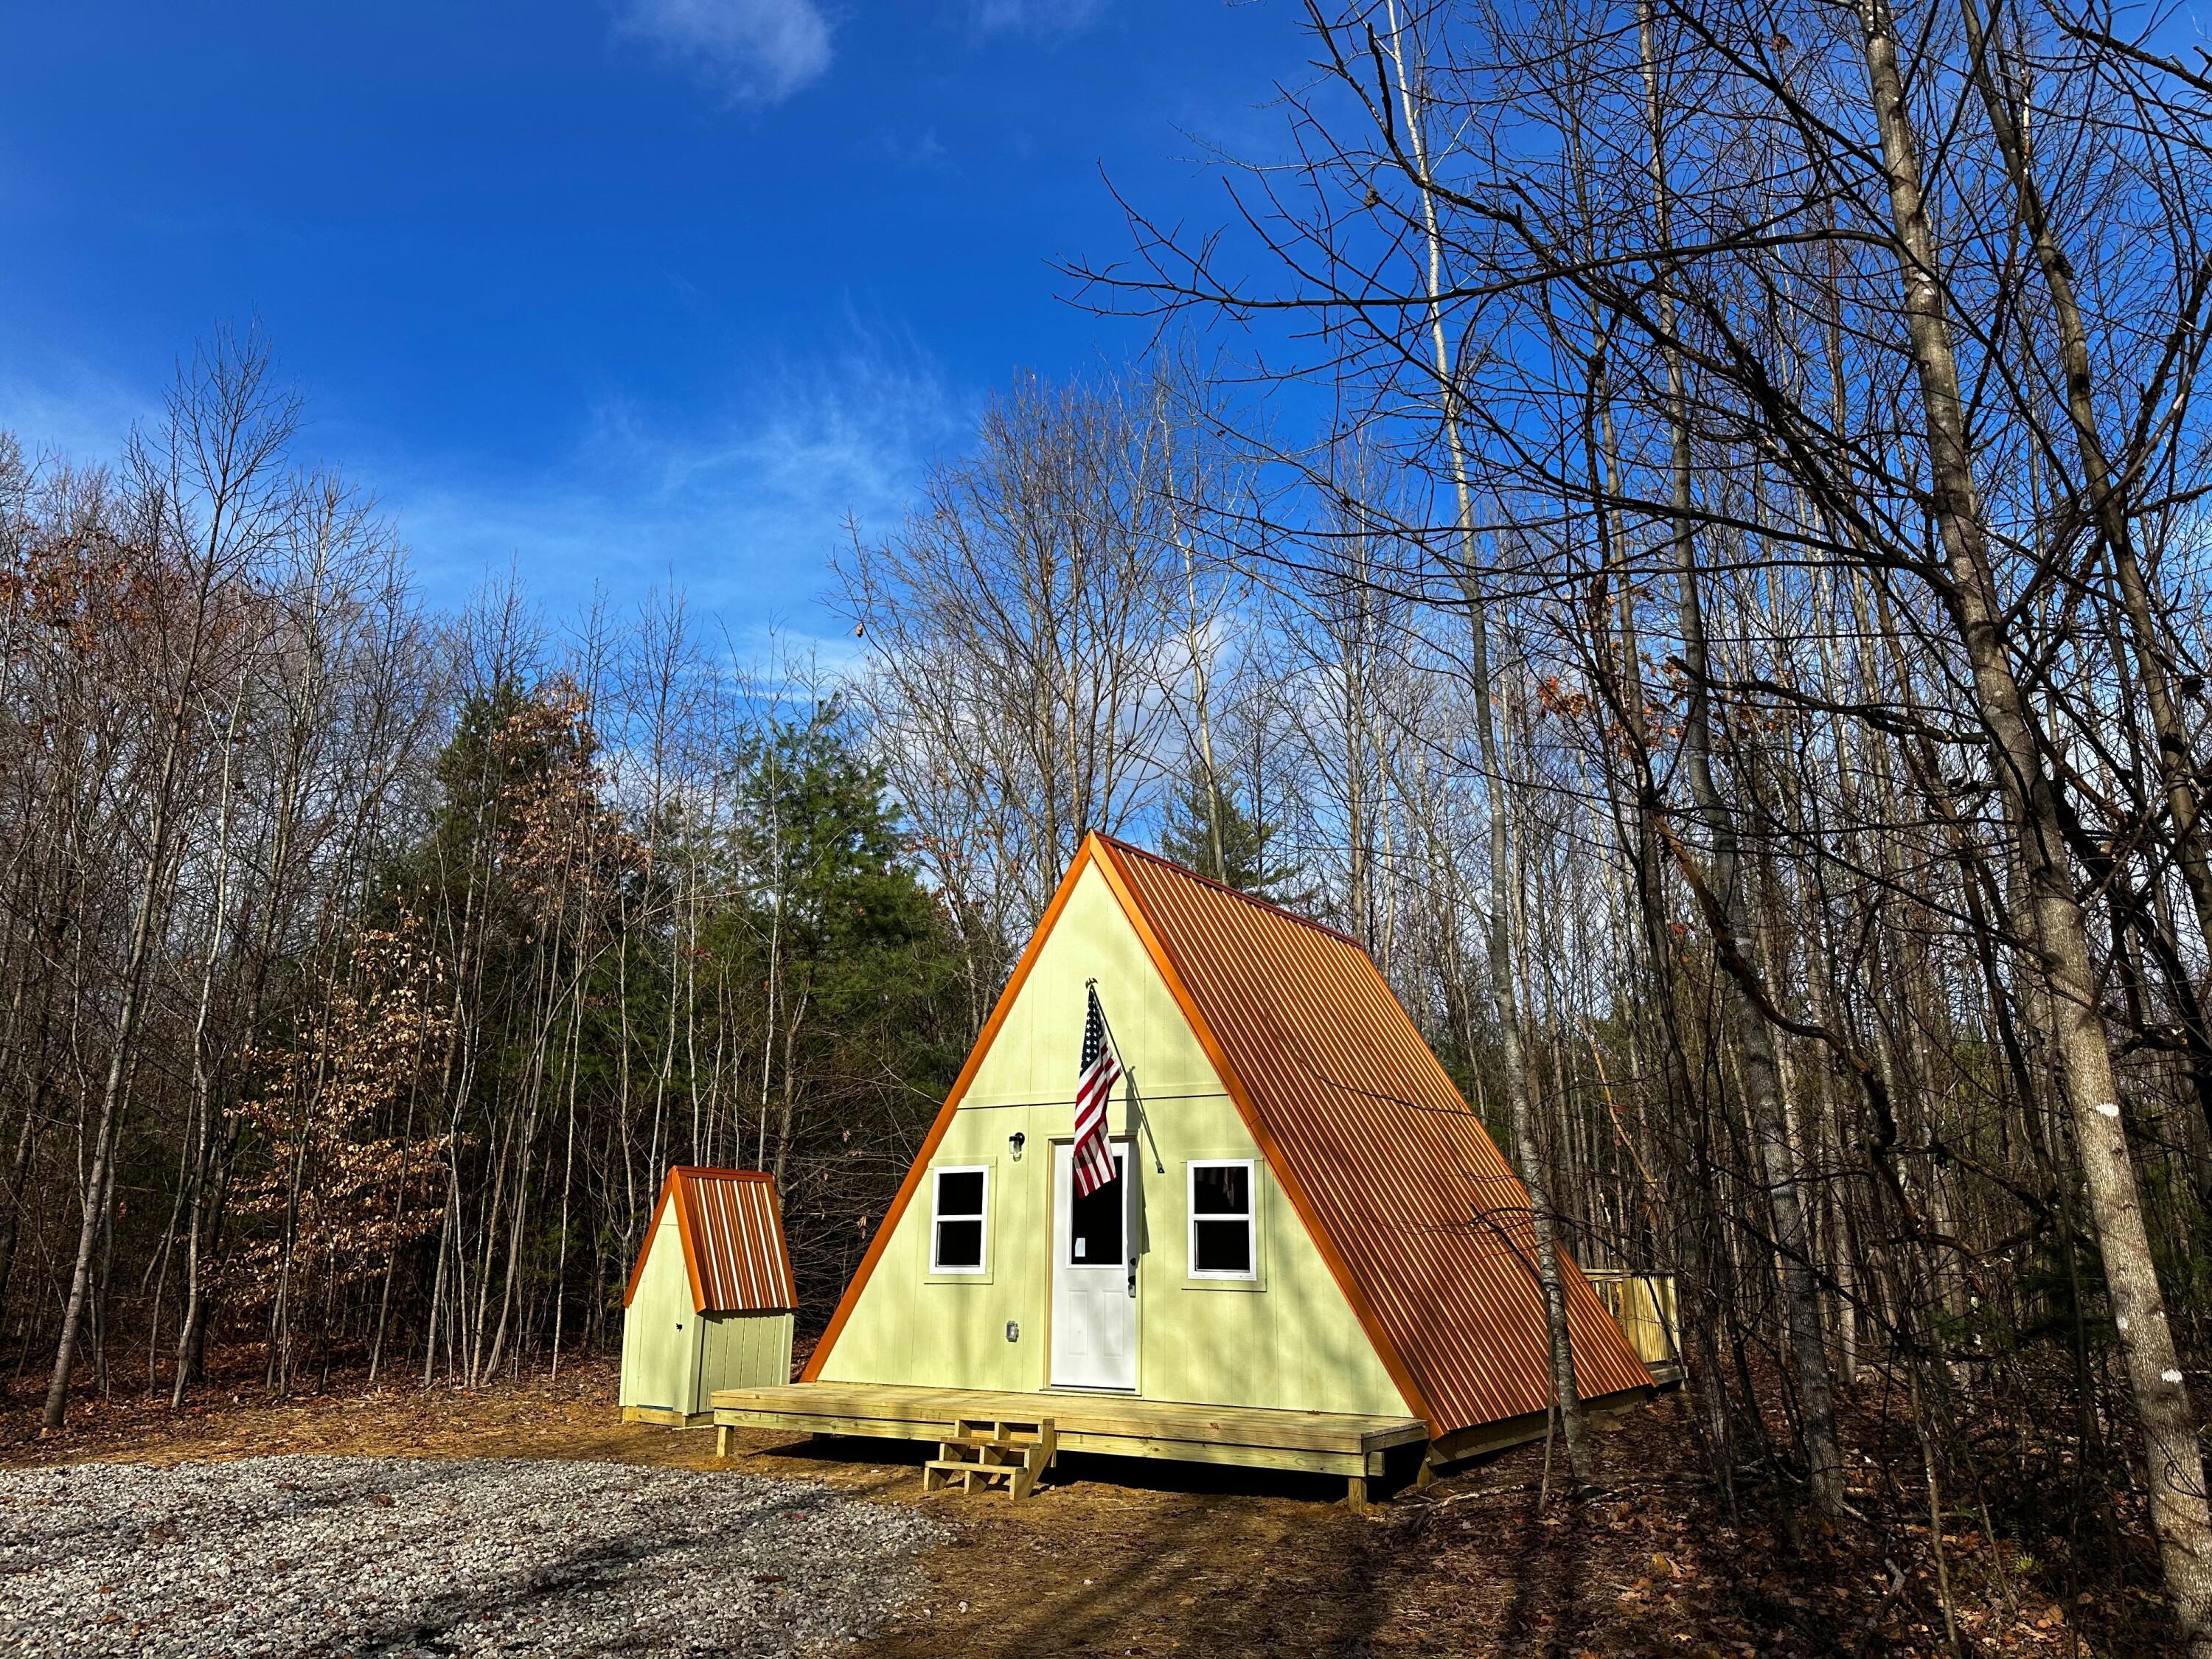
[1251,1218]
[982,1217]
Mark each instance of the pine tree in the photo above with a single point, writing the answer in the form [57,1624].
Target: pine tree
[1209,832]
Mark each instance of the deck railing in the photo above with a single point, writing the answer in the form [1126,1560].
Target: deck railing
[1643,1306]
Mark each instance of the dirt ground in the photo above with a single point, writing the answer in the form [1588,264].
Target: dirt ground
[1120,1558]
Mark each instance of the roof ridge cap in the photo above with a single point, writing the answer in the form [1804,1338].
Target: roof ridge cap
[1252,899]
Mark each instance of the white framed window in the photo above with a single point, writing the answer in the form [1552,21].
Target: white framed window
[1222,1237]
[960,1200]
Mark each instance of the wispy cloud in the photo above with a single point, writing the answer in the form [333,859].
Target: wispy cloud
[755,51]
[1031,16]
[915,151]
[741,510]
[73,412]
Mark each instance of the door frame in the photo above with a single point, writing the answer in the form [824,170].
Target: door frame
[1125,1147]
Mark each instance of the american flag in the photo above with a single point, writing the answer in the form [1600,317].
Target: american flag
[1094,1089]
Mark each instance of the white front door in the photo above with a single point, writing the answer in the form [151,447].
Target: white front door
[1094,1314]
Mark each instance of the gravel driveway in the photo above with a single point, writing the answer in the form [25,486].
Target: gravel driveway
[398,1556]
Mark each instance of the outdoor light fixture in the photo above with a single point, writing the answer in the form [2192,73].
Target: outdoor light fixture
[1016,1141]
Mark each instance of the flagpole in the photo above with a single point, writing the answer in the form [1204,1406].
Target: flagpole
[1158,1168]
[1131,1214]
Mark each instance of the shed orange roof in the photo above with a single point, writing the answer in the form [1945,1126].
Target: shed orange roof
[1423,1221]
[731,1225]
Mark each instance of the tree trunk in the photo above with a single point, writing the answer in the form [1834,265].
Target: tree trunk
[1505,896]
[1754,1037]
[2060,927]
[101,1181]
[2176,767]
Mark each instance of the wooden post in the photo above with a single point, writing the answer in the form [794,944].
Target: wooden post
[721,1440]
[1355,1493]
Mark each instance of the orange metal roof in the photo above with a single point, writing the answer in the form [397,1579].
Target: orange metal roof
[731,1224]
[1421,1216]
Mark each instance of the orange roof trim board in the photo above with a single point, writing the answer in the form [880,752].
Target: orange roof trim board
[730,1225]
[1417,1214]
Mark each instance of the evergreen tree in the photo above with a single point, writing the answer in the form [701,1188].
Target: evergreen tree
[849,950]
[1209,832]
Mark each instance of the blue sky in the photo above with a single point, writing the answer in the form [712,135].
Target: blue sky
[614,290]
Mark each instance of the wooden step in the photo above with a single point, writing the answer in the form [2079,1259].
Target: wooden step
[984,1452]
[1002,1431]
[948,1469]
[1012,1452]
[1018,1478]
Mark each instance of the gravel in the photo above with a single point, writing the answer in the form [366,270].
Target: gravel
[404,1557]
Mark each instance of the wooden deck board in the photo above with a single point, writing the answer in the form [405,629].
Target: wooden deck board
[1325,1442]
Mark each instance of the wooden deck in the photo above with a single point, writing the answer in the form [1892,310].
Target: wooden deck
[1325,1442]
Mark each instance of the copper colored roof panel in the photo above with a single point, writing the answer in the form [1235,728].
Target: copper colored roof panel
[1419,1211]
[731,1222]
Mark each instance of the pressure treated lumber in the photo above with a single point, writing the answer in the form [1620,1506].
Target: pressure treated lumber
[995,1452]
[1325,1443]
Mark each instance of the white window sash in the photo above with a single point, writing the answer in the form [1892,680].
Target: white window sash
[982,1217]
[1248,1215]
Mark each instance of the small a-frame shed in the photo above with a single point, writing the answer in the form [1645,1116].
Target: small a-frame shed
[1313,1253]
[710,1301]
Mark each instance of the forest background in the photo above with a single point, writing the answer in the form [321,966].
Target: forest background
[1680,527]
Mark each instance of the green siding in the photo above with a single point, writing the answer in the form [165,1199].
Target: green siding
[660,1348]
[1290,1341]
[743,1351]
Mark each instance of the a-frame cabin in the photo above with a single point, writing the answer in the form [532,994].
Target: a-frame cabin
[1315,1254]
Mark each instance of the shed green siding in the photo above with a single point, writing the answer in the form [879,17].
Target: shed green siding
[660,1351]
[1287,1339]
[743,1351]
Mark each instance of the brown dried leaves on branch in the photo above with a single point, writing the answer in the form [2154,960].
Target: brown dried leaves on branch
[345,1180]
[562,846]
